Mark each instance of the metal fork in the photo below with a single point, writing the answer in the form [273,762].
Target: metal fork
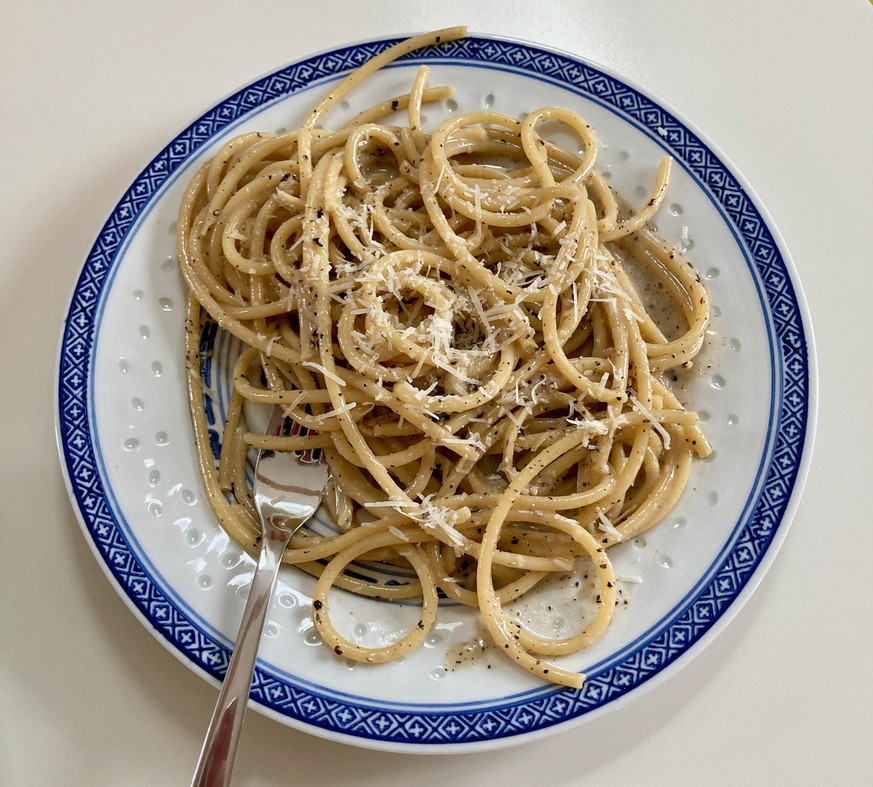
[287,491]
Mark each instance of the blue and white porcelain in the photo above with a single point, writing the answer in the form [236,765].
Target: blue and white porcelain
[127,447]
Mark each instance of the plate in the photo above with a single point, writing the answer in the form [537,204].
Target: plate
[126,442]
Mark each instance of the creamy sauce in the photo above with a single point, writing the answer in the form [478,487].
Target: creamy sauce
[655,297]
[559,607]
[475,651]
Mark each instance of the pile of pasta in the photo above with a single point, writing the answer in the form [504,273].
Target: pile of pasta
[450,316]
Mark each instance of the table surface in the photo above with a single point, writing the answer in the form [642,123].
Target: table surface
[91,91]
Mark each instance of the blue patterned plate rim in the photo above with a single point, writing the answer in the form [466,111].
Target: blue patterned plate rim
[659,653]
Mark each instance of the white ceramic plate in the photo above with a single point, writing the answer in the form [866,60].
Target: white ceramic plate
[127,446]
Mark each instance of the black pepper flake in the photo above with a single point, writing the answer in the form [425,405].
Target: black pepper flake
[395,103]
[317,604]
[338,650]
[318,242]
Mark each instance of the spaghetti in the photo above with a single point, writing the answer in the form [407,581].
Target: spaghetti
[453,318]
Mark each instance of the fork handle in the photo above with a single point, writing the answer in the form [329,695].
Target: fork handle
[215,765]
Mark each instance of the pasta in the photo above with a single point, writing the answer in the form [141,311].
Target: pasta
[454,318]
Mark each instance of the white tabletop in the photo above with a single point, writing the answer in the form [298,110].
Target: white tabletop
[90,91]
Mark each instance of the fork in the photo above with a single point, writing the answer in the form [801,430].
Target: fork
[288,488]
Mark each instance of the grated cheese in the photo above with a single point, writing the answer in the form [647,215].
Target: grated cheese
[591,425]
[398,533]
[338,411]
[607,527]
[474,441]
[435,517]
[391,504]
[659,427]
[601,388]
[440,178]
[558,229]
[631,314]
[318,367]
[268,351]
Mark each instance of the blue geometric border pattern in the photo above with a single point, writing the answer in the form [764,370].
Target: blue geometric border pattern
[513,717]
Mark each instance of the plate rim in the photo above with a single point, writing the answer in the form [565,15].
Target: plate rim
[801,468]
